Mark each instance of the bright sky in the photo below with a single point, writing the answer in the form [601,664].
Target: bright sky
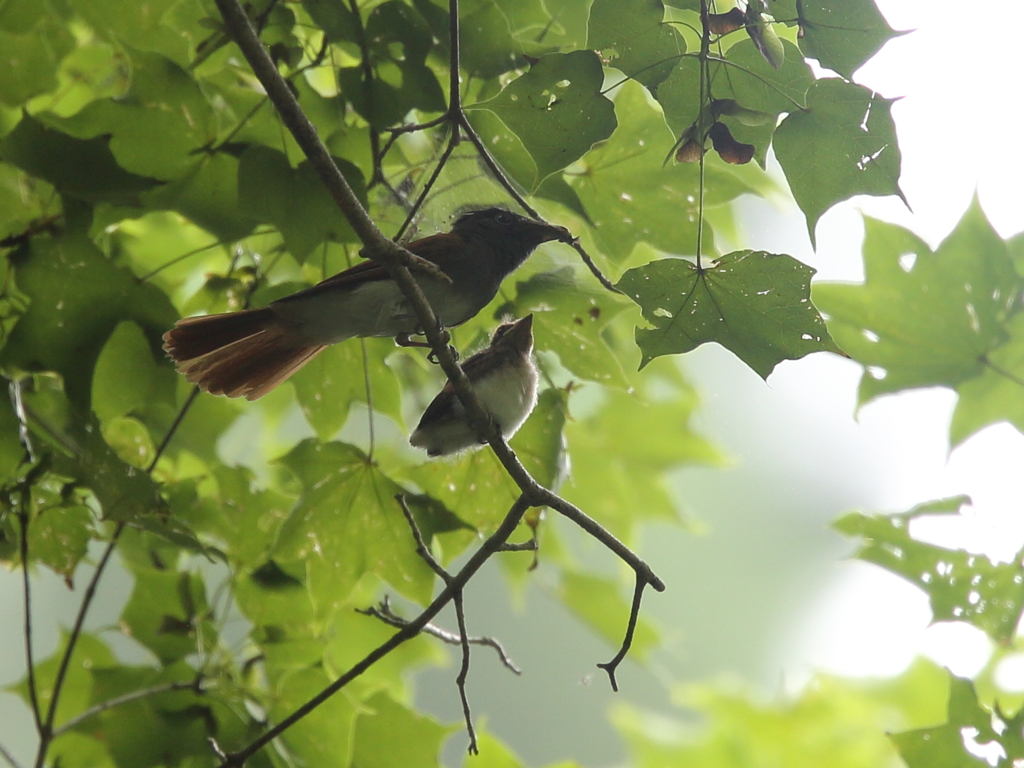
[958,125]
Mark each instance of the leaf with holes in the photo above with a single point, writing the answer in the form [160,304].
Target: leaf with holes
[347,524]
[753,303]
[631,35]
[923,319]
[556,109]
[961,585]
[843,145]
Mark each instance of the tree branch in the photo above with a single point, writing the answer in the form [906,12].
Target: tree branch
[388,616]
[409,631]
[634,613]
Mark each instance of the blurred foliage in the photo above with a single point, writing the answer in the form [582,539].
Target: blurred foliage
[144,176]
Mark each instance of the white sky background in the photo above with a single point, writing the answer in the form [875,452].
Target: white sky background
[959,124]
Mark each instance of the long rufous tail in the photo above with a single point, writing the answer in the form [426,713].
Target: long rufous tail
[239,354]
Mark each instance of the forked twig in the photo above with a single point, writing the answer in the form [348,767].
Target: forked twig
[384,612]
[409,631]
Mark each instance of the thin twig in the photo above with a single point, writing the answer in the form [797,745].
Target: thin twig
[421,545]
[495,169]
[9,757]
[452,143]
[384,612]
[46,730]
[33,687]
[524,546]
[594,269]
[634,613]
[460,680]
[117,701]
[409,631]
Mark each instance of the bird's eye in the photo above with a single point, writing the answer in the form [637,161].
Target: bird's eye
[504,217]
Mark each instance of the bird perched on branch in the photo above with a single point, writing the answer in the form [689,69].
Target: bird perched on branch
[503,376]
[248,353]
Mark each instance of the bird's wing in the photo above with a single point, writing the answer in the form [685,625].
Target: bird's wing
[433,248]
[441,406]
[360,274]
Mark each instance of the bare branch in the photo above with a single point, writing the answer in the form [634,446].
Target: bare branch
[421,545]
[388,616]
[46,730]
[460,680]
[409,631]
[627,641]
[524,546]
[33,687]
[599,532]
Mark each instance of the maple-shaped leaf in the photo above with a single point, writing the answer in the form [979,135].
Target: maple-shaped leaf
[755,304]
[843,144]
[923,318]
[961,585]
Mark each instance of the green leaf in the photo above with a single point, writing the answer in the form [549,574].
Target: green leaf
[209,196]
[631,36]
[961,585]
[556,109]
[755,304]
[540,444]
[923,319]
[756,85]
[167,613]
[347,524]
[150,26]
[170,727]
[473,485]
[32,57]
[236,513]
[83,168]
[842,34]
[630,196]
[569,318]
[748,81]
[294,200]
[968,722]
[997,393]
[599,604]
[334,18]
[157,128]
[76,694]
[398,43]
[78,297]
[325,736]
[375,745]
[59,534]
[843,145]
[328,385]
[621,452]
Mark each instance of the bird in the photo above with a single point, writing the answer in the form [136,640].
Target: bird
[249,352]
[503,376]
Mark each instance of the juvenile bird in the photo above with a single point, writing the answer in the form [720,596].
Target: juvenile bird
[503,376]
[248,353]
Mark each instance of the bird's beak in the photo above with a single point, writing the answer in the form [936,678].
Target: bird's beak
[545,232]
[520,335]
